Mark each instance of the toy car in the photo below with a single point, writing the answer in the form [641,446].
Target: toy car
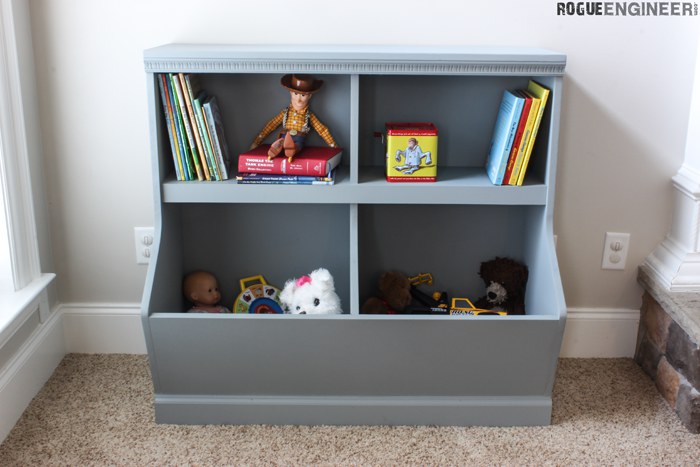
[464,306]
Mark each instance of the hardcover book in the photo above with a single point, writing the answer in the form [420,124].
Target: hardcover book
[503,136]
[526,141]
[311,160]
[215,125]
[520,136]
[542,93]
[275,179]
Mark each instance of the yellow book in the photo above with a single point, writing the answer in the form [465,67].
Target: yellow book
[529,125]
[542,93]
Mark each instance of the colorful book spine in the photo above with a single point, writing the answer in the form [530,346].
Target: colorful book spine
[532,117]
[189,134]
[172,135]
[215,126]
[206,142]
[542,93]
[316,161]
[519,137]
[276,178]
[185,85]
[503,136]
[185,156]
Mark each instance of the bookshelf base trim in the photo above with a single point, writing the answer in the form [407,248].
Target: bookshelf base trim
[352,410]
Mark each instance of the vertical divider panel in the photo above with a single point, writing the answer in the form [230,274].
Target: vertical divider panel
[354,126]
[354,262]
[354,168]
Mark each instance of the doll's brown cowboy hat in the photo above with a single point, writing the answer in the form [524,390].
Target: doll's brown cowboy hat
[305,84]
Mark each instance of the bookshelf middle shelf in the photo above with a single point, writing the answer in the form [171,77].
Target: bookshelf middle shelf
[454,186]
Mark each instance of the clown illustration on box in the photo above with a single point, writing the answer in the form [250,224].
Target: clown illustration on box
[413,155]
[296,120]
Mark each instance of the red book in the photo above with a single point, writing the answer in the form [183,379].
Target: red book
[311,160]
[518,141]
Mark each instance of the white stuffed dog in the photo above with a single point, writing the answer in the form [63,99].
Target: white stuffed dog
[311,295]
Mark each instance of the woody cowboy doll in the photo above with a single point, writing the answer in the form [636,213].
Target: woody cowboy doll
[296,120]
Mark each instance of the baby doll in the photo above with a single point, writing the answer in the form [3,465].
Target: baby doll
[202,289]
[296,120]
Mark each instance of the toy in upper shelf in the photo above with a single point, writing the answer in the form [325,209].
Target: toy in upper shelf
[296,119]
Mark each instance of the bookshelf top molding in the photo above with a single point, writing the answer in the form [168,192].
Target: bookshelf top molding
[340,59]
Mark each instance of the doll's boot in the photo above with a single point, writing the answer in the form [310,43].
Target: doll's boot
[290,149]
[275,149]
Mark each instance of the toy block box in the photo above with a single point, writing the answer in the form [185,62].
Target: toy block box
[411,152]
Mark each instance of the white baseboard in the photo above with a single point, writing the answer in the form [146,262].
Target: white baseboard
[116,328]
[103,328]
[600,333]
[28,370]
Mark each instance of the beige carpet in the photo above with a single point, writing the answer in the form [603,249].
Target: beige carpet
[96,410]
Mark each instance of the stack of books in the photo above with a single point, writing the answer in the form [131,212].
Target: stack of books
[313,165]
[195,128]
[514,135]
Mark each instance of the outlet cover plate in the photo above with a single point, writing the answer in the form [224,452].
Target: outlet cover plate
[143,241]
[615,250]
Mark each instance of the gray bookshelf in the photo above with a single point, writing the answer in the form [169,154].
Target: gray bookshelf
[354,368]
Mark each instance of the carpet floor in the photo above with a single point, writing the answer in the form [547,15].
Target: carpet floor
[97,410]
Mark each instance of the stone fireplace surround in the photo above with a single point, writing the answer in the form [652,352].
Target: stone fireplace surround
[667,346]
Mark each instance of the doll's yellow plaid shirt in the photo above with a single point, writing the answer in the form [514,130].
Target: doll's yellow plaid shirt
[296,121]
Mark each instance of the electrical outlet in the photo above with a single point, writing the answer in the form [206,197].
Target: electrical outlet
[615,250]
[143,238]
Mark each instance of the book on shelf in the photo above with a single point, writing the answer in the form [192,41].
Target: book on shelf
[199,148]
[189,171]
[170,125]
[189,86]
[503,135]
[514,136]
[186,127]
[519,137]
[518,157]
[276,179]
[215,127]
[542,93]
[311,160]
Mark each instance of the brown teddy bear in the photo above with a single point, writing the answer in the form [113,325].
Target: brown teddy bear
[505,281]
[394,295]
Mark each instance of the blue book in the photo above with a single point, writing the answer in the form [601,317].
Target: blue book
[503,136]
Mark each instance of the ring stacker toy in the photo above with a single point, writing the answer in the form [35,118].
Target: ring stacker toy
[258,298]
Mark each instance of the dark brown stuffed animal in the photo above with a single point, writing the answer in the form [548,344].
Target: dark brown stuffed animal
[505,281]
[394,295]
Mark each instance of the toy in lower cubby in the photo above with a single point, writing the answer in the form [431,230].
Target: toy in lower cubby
[394,295]
[398,294]
[311,294]
[505,280]
[258,297]
[201,289]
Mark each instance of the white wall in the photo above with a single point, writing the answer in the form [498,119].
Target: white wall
[623,135]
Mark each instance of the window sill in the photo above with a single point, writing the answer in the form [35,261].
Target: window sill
[16,307]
